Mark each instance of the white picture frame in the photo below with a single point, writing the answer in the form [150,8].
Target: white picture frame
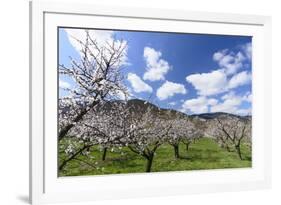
[46,187]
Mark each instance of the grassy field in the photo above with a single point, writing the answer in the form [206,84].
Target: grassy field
[204,154]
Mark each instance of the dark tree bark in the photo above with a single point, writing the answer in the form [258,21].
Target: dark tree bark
[73,156]
[227,148]
[104,153]
[149,162]
[187,146]
[63,132]
[238,150]
[148,154]
[176,149]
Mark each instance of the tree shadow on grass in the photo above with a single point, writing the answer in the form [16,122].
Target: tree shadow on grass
[120,159]
[202,157]
[122,162]
[185,157]
[247,158]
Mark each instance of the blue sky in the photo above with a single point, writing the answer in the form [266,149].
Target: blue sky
[192,73]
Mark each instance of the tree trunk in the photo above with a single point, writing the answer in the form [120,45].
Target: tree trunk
[63,132]
[72,157]
[149,162]
[238,149]
[227,148]
[104,153]
[187,146]
[176,148]
[64,163]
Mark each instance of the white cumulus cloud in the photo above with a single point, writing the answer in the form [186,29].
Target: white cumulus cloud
[169,89]
[101,37]
[172,103]
[156,68]
[247,48]
[207,84]
[248,97]
[244,112]
[240,79]
[138,84]
[216,82]
[198,105]
[212,101]
[231,104]
[229,61]
[64,85]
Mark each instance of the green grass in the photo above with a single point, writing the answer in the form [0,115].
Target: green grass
[203,154]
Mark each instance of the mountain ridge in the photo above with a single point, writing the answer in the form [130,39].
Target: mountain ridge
[206,116]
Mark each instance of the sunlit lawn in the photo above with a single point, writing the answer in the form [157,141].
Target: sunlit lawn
[203,154]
